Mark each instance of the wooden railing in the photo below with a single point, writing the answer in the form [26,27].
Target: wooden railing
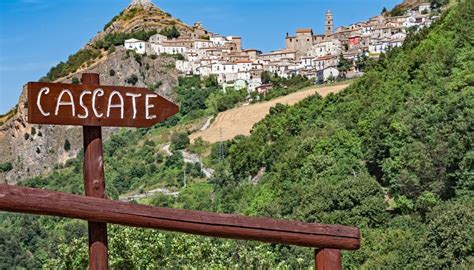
[327,239]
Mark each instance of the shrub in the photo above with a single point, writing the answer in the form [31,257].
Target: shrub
[179,56]
[73,63]
[67,145]
[33,131]
[397,11]
[137,58]
[27,136]
[112,49]
[112,73]
[176,56]
[112,21]
[75,80]
[6,167]
[132,79]
[266,77]
[170,32]
[179,140]
[118,39]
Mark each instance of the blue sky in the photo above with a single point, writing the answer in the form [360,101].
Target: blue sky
[36,34]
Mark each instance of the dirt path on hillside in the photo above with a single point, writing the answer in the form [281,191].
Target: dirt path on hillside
[239,121]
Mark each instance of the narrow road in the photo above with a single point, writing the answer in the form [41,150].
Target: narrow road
[190,158]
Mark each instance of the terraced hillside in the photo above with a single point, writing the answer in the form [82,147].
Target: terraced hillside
[239,121]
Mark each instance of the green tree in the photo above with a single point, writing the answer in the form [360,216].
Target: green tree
[343,65]
[179,140]
[170,32]
[266,77]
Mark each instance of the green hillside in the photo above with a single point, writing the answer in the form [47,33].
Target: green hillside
[392,155]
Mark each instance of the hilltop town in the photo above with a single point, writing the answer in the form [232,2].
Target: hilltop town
[315,56]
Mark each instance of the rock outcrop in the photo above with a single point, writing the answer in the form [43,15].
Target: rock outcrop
[36,149]
[141,15]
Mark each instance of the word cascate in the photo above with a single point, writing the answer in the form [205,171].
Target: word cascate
[94,105]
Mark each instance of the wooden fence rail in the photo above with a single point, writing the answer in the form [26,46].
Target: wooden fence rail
[328,238]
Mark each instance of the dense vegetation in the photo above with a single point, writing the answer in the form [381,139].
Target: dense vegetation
[392,154]
[85,56]
[400,10]
[6,116]
[73,63]
[118,38]
[170,32]
[282,86]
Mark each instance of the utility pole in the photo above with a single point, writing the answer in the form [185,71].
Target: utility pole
[184,180]
[221,146]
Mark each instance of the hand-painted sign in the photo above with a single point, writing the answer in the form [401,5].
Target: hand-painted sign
[96,105]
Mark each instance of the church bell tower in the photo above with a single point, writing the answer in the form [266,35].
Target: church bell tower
[329,23]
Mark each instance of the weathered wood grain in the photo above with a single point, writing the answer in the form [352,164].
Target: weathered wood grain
[96,105]
[42,202]
[328,259]
[94,185]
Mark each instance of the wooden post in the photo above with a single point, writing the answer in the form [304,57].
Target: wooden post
[328,259]
[94,185]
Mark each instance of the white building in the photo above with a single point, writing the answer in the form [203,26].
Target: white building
[218,40]
[424,8]
[382,46]
[202,43]
[135,45]
[158,39]
[327,73]
[330,47]
[243,65]
[184,66]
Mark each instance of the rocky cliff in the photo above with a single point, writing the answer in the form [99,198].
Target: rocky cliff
[36,149]
[141,15]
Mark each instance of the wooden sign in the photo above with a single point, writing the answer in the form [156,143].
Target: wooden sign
[92,106]
[96,105]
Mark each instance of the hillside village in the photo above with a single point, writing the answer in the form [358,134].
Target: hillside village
[391,154]
[316,56]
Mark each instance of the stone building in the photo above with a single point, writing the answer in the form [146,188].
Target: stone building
[301,42]
[329,23]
